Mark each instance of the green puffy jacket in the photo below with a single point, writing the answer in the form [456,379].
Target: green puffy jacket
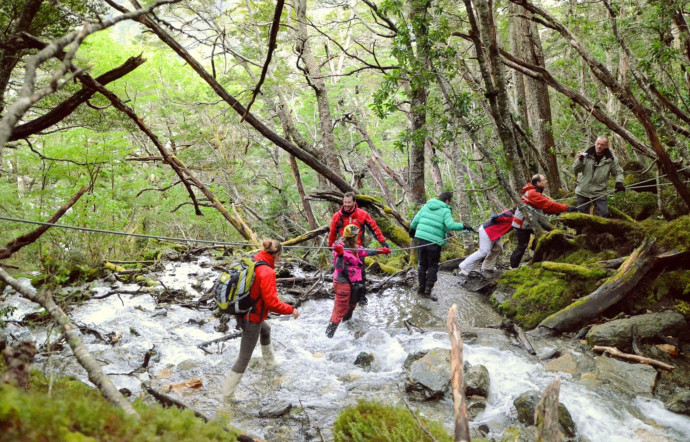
[593,178]
[433,221]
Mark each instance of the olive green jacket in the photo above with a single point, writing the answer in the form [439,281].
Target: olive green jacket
[593,178]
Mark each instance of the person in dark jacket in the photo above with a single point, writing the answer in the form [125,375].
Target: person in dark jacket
[532,195]
[253,324]
[429,226]
[593,168]
[490,244]
[348,260]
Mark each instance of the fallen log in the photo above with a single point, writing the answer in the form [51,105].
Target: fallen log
[581,222]
[522,337]
[613,351]
[233,335]
[169,401]
[609,293]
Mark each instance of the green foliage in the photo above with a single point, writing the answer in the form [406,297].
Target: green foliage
[74,411]
[683,308]
[662,290]
[372,421]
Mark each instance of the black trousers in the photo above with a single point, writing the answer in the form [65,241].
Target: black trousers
[429,256]
[523,241]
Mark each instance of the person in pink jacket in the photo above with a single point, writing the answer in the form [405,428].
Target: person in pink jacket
[348,259]
[490,244]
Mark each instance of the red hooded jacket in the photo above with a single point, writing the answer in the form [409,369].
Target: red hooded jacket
[534,198]
[360,217]
[498,225]
[264,289]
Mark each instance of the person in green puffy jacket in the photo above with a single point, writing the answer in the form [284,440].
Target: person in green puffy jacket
[429,226]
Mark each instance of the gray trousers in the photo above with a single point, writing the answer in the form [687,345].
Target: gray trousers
[601,205]
[251,331]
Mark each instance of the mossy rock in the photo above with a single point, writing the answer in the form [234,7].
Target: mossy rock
[637,205]
[373,421]
[672,205]
[553,245]
[672,235]
[660,290]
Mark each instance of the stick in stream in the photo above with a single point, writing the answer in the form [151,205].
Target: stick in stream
[641,359]
[169,401]
[546,414]
[233,335]
[462,428]
[419,423]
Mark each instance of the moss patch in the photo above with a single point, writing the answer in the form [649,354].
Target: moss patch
[74,411]
[637,205]
[654,293]
[371,421]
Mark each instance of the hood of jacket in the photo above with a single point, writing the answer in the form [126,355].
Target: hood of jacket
[266,257]
[607,153]
[434,204]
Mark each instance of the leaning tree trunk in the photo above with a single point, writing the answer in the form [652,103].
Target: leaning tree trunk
[613,290]
[312,73]
[90,364]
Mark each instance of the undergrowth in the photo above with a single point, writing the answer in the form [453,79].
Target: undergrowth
[74,411]
[372,421]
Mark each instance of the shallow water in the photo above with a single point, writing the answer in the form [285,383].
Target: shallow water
[318,374]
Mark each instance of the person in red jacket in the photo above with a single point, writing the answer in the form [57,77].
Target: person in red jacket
[532,195]
[490,244]
[348,214]
[253,324]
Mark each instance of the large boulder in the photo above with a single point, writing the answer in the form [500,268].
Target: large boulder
[630,378]
[476,380]
[526,404]
[563,364]
[429,376]
[618,333]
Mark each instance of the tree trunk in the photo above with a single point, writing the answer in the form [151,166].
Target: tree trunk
[302,196]
[433,166]
[91,365]
[312,72]
[378,177]
[461,202]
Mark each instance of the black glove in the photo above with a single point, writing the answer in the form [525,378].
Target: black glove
[571,209]
[468,228]
[620,187]
[412,232]
[385,244]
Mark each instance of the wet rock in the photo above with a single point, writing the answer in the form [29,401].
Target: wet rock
[413,357]
[475,407]
[476,381]
[469,337]
[526,404]
[630,378]
[429,377]
[564,364]
[276,410]
[364,359]
[680,403]
[519,433]
[126,392]
[618,333]
[169,255]
[549,354]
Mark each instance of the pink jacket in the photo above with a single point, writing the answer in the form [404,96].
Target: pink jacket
[352,261]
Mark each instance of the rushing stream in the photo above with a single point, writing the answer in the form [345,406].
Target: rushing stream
[317,375]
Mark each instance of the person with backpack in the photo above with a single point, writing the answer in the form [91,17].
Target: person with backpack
[490,244]
[348,260]
[429,226]
[348,214]
[253,324]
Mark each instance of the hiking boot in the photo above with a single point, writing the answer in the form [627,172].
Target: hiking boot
[330,330]
[348,315]
[427,294]
[420,290]
[363,300]
[230,385]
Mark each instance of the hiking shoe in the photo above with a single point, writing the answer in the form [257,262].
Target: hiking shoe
[363,300]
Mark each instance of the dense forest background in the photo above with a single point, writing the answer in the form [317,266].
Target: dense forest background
[395,99]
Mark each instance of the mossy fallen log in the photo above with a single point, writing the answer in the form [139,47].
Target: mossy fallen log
[581,222]
[375,265]
[616,288]
[573,270]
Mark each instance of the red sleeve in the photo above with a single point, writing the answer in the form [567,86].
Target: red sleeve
[332,234]
[369,220]
[549,206]
[269,291]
